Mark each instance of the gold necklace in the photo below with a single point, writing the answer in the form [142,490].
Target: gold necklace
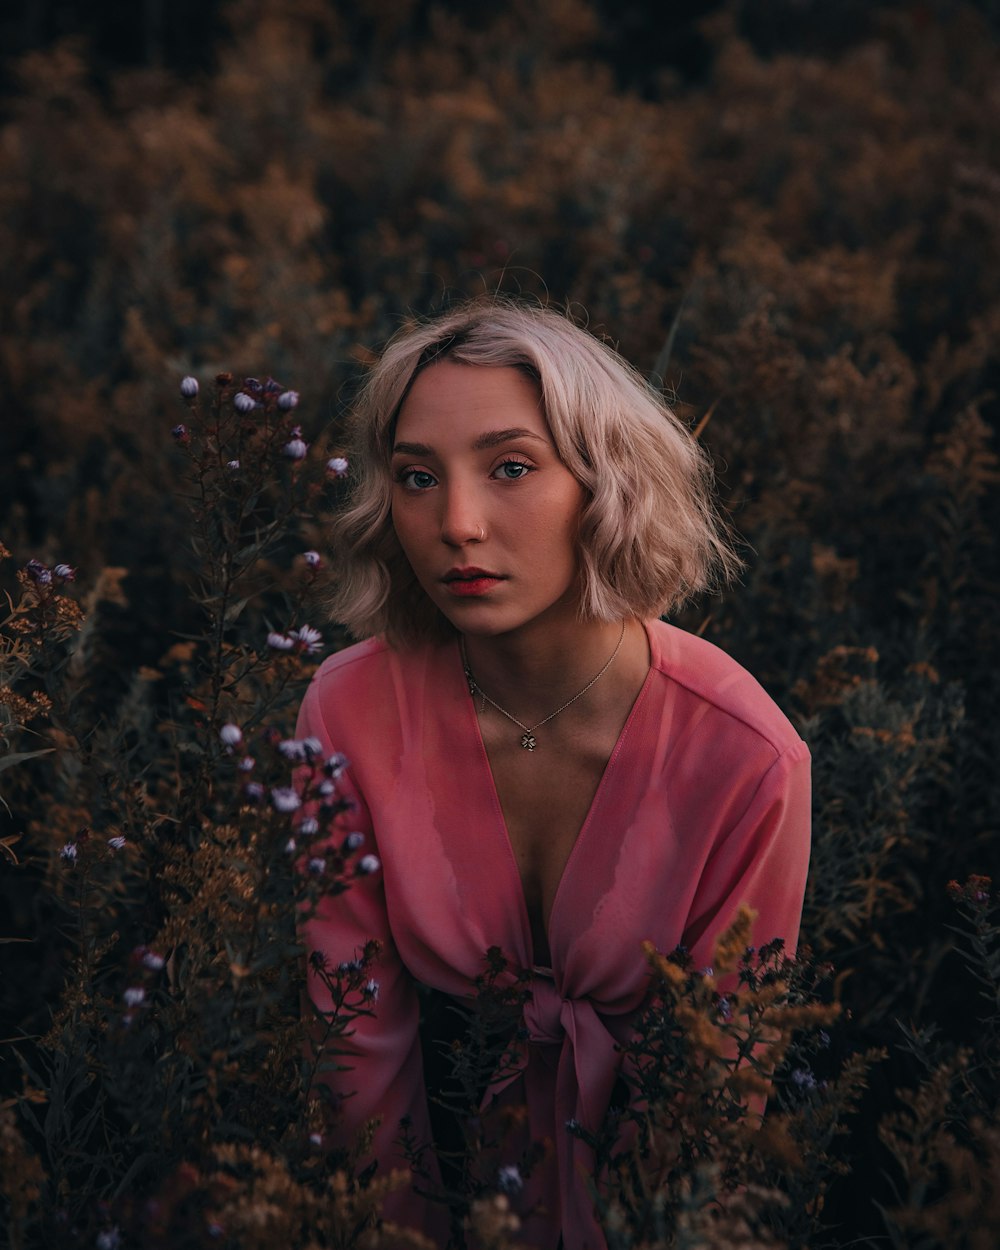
[528,740]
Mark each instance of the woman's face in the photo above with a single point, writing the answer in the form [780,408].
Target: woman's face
[485,511]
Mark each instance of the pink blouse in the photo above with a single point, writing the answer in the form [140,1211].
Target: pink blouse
[704,805]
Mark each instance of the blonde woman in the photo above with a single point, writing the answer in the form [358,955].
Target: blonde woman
[539,761]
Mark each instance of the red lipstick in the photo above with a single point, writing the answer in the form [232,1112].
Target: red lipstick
[469,582]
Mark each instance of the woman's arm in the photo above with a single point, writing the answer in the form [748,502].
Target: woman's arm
[376,1070]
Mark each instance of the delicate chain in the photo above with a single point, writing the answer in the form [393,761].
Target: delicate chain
[528,741]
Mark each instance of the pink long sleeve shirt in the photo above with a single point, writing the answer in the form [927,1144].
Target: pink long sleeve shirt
[704,805]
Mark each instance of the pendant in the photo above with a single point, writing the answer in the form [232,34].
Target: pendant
[528,741]
[472,684]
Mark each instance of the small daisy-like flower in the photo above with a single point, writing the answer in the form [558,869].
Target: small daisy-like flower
[232,465]
[368,864]
[312,558]
[230,735]
[337,466]
[69,852]
[317,865]
[354,842]
[295,449]
[803,1078]
[509,1179]
[285,799]
[117,843]
[65,573]
[180,434]
[244,403]
[312,746]
[335,765]
[247,764]
[279,642]
[316,1139]
[290,846]
[253,386]
[370,991]
[707,972]
[326,789]
[292,750]
[288,400]
[309,827]
[39,573]
[189,387]
[253,792]
[153,960]
[134,995]
[308,639]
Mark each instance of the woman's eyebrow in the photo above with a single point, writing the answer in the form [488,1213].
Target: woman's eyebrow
[492,438]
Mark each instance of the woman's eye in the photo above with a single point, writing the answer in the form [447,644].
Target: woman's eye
[512,470]
[416,479]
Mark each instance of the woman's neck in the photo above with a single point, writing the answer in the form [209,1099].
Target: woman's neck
[530,671]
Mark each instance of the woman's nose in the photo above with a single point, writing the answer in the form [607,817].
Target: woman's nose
[461,519]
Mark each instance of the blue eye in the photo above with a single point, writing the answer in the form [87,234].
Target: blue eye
[520,470]
[416,479]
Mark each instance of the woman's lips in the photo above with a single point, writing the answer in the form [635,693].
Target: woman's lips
[466,583]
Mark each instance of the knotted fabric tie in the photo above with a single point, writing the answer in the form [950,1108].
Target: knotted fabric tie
[585,1078]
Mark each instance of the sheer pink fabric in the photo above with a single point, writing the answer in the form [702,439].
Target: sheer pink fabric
[705,804]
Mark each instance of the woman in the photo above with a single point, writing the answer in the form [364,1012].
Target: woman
[539,761]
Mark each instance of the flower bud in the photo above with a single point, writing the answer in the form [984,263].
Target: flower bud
[243,402]
[312,558]
[230,735]
[368,864]
[279,642]
[337,467]
[189,387]
[295,449]
[288,400]
[181,435]
[65,573]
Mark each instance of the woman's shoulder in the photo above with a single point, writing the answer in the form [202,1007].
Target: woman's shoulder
[710,676]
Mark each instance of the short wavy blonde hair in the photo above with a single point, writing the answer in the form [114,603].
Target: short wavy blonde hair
[649,535]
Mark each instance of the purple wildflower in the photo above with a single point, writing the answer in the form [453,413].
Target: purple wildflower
[181,434]
[285,799]
[354,842]
[288,400]
[326,789]
[368,864]
[803,1078]
[335,765]
[337,467]
[725,1008]
[38,572]
[308,639]
[243,402]
[309,827]
[65,573]
[134,995]
[279,642]
[317,865]
[230,735]
[295,449]
[153,960]
[189,387]
[69,853]
[247,764]
[215,1230]
[316,1139]
[253,792]
[509,1179]
[290,846]
[312,746]
[232,465]
[312,558]
[292,750]
[110,1239]
[117,843]
[253,386]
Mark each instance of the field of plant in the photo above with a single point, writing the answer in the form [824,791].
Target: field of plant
[802,248]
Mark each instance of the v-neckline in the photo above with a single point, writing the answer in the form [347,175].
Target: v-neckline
[547,922]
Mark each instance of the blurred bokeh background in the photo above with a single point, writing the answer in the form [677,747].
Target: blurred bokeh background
[786,213]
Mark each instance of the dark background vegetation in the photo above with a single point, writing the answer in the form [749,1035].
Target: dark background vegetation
[785,213]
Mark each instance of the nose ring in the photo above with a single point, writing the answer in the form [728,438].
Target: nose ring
[482,535]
